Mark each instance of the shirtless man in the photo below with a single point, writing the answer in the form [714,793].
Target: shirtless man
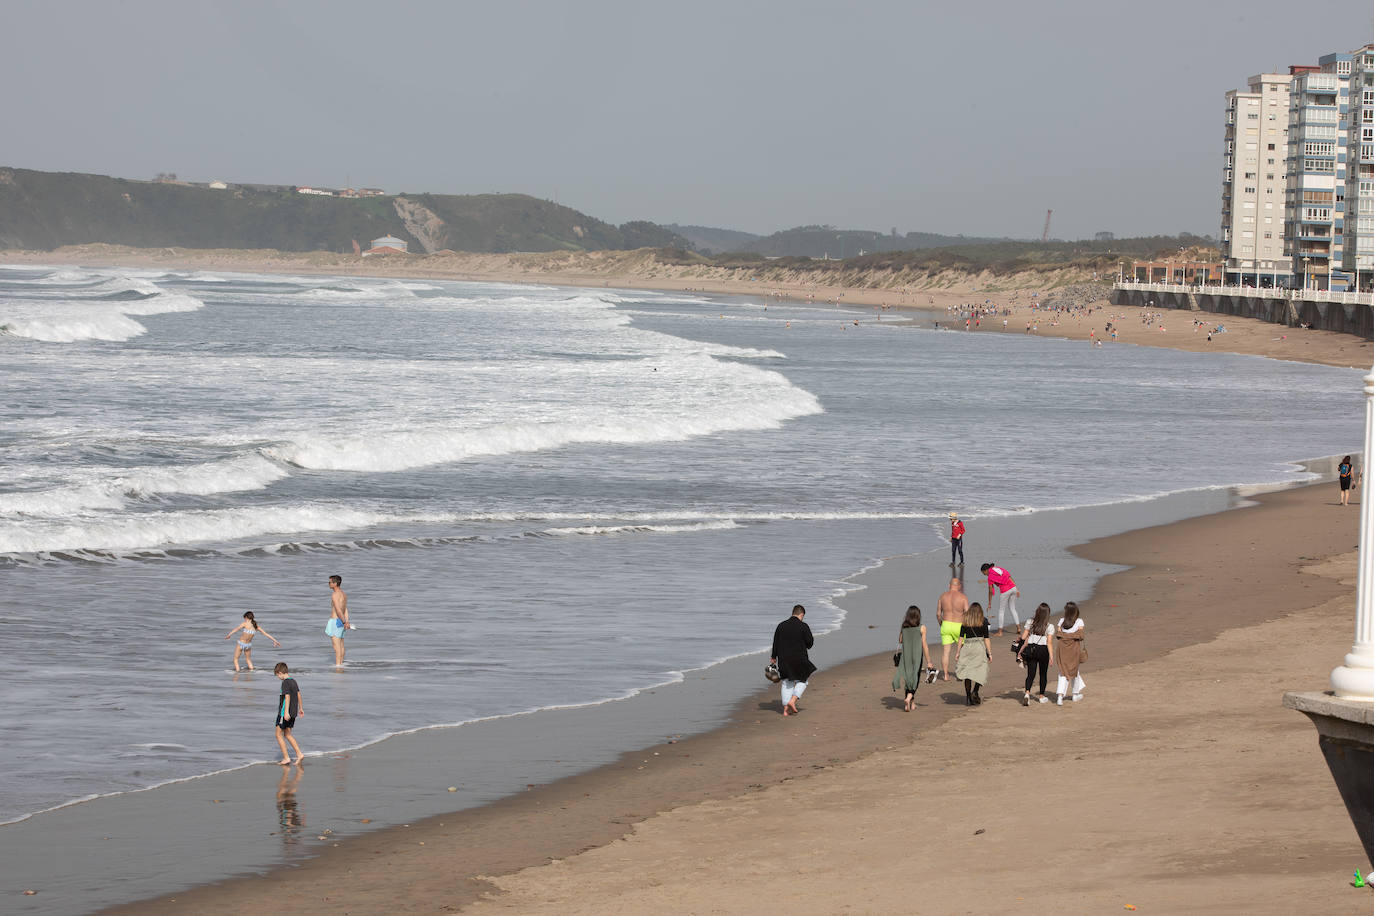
[950,612]
[338,617]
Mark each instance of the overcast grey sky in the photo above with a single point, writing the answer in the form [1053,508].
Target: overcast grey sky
[958,117]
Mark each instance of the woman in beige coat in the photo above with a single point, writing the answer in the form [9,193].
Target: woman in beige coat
[1070,652]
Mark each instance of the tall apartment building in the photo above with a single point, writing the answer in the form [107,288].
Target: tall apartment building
[1254,177]
[1317,170]
[1359,186]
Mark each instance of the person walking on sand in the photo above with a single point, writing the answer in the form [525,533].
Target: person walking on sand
[956,539]
[791,639]
[913,661]
[249,628]
[338,618]
[1346,469]
[973,655]
[950,611]
[289,706]
[1070,653]
[1002,581]
[1037,650]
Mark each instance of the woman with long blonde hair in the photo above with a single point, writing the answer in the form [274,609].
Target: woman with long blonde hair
[974,654]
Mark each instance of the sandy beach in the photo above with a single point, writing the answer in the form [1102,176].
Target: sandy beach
[1179,784]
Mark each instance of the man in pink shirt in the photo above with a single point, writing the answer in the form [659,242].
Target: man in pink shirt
[1001,580]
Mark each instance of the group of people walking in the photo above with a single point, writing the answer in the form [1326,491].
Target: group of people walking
[965,643]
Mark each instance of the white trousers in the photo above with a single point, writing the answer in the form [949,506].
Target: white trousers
[791,690]
[1008,598]
[1078,684]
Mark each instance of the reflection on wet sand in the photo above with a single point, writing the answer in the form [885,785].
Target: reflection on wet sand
[290,815]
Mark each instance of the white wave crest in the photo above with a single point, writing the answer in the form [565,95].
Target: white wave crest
[154,530]
[71,320]
[706,397]
[115,491]
[722,525]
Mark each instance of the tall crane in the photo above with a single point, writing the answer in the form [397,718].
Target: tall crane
[1045,236]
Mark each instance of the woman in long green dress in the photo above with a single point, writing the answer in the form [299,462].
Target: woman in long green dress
[912,664]
[972,657]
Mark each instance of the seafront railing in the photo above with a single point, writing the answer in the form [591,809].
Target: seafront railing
[1295,295]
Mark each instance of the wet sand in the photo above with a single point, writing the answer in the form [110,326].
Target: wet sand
[1197,820]
[1179,779]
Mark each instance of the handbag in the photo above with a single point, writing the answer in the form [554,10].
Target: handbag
[1083,651]
[896,659]
[771,672]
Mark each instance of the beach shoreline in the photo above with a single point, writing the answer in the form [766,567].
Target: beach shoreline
[1176,330]
[453,858]
[700,781]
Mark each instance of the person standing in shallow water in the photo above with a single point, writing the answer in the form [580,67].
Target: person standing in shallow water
[791,640]
[956,539]
[248,629]
[338,617]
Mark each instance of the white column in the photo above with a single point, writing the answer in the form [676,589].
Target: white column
[1355,679]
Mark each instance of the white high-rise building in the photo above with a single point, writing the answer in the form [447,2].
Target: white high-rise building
[1254,177]
[1359,186]
[1317,172]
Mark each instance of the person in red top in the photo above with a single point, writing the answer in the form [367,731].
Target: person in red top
[956,539]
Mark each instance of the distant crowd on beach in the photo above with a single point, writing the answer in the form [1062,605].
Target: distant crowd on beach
[966,636]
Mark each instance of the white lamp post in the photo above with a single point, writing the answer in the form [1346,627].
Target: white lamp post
[1355,679]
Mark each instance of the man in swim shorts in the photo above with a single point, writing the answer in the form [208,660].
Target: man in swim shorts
[338,618]
[950,611]
[1001,579]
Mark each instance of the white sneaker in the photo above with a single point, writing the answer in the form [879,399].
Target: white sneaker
[1044,699]
[1077,696]
[1060,700]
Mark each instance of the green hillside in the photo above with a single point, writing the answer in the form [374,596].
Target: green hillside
[710,240]
[46,210]
[998,257]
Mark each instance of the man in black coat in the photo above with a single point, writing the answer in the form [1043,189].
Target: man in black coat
[790,641]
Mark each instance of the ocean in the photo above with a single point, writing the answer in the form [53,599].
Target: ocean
[537,497]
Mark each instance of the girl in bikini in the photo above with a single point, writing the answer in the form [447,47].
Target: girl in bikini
[248,629]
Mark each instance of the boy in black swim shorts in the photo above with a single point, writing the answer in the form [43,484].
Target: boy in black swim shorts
[288,708]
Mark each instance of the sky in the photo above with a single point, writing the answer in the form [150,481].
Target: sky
[967,118]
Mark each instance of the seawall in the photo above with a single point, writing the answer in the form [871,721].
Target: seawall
[1346,313]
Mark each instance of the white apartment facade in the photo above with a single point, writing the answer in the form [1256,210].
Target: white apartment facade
[1317,166]
[1254,179]
[1358,260]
